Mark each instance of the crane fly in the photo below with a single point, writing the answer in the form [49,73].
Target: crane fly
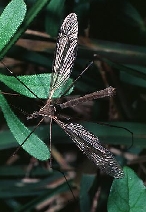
[88,143]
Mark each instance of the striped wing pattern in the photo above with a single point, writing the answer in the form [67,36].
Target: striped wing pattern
[65,54]
[90,145]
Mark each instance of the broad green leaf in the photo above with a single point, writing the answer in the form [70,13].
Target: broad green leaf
[30,15]
[127,194]
[33,145]
[38,84]
[10,20]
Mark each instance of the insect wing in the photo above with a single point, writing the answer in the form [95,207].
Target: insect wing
[65,54]
[90,145]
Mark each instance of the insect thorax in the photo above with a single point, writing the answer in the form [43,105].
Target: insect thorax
[46,111]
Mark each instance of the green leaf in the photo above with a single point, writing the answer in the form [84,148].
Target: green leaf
[15,170]
[42,197]
[132,78]
[106,134]
[23,54]
[33,145]
[116,52]
[10,20]
[127,194]
[130,15]
[115,135]
[86,183]
[38,84]
[30,15]
[55,14]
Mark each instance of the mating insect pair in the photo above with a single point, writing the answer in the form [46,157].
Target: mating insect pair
[89,144]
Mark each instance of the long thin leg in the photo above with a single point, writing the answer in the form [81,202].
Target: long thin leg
[77,78]
[28,137]
[50,145]
[20,81]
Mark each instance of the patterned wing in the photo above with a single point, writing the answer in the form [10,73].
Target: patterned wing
[90,145]
[65,54]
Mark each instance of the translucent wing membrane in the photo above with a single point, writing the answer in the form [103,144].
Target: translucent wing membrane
[65,54]
[90,145]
